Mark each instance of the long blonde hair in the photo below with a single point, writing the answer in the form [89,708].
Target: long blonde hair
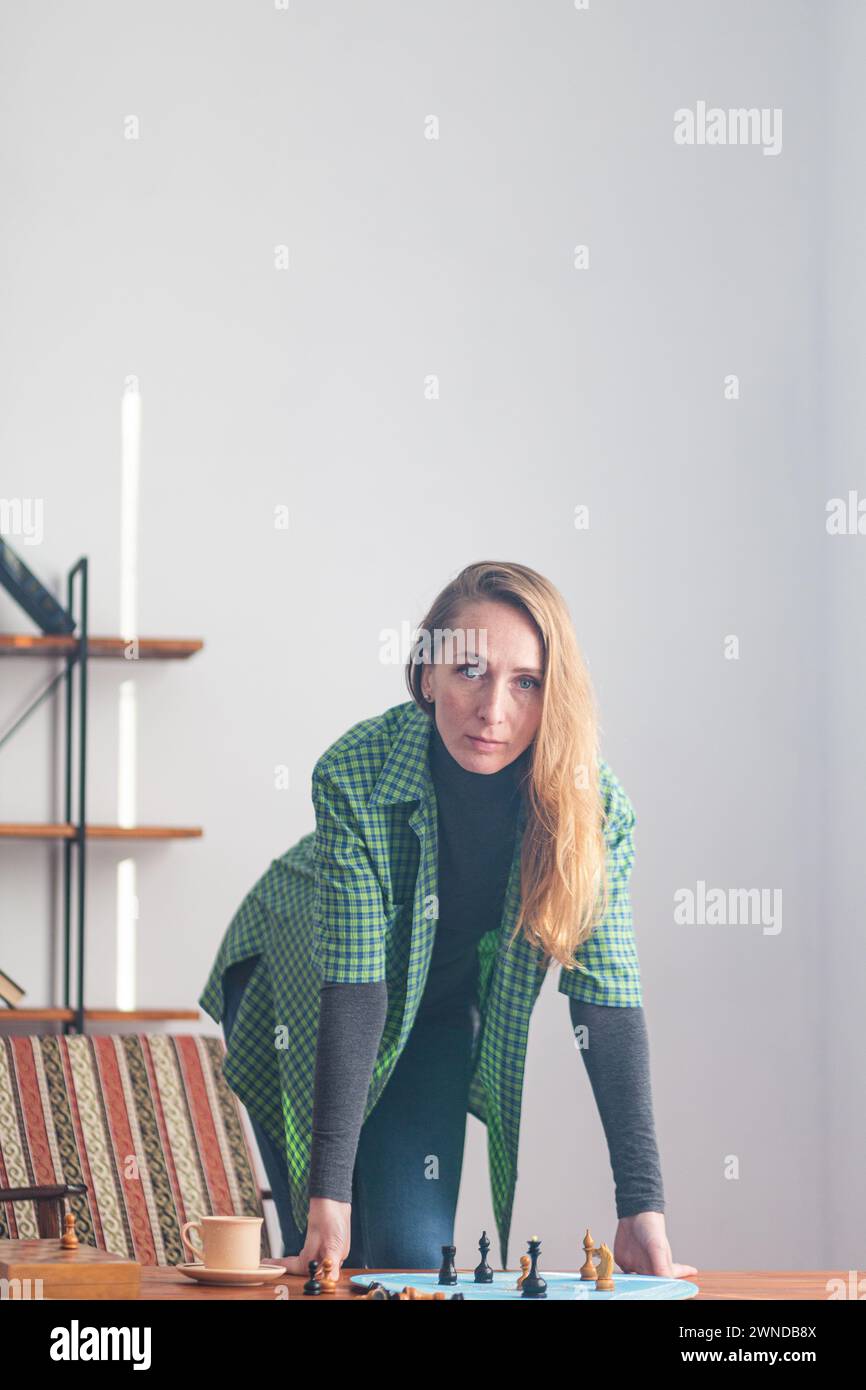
[562,864]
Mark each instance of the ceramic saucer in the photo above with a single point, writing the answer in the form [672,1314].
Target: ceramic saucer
[249,1277]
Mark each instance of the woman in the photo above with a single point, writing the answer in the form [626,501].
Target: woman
[377,982]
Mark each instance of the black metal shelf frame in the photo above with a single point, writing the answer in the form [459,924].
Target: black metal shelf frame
[79,656]
[75,722]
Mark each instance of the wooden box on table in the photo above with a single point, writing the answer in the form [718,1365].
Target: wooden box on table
[85,1272]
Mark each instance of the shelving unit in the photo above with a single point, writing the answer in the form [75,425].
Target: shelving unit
[97,1015]
[74,831]
[149,648]
[22,830]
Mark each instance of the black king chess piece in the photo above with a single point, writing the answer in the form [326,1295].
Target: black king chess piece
[483,1272]
[312,1285]
[448,1274]
[533,1285]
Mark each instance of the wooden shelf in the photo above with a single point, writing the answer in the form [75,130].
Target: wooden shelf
[149,648]
[22,830]
[70,654]
[140,1015]
[36,1015]
[98,1015]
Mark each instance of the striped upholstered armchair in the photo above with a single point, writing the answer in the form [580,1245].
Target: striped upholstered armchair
[133,1133]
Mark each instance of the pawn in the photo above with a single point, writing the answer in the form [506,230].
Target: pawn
[312,1285]
[69,1240]
[448,1274]
[525,1262]
[483,1272]
[324,1275]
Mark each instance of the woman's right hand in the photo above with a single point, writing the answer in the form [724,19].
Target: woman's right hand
[329,1229]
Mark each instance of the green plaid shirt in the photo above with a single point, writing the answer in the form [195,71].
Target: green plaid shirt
[355,901]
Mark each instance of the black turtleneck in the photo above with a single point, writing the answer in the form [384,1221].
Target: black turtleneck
[476,828]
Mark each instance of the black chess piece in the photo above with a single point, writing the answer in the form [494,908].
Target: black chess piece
[448,1274]
[483,1272]
[533,1285]
[312,1285]
[461,1296]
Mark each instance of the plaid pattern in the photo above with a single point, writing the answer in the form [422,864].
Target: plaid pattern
[355,901]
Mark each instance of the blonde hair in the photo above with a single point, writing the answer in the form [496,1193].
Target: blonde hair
[562,864]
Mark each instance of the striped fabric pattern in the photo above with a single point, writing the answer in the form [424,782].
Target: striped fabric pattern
[355,901]
[146,1121]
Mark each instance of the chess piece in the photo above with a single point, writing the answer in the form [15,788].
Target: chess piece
[69,1240]
[324,1274]
[524,1270]
[533,1285]
[448,1274]
[312,1285]
[604,1281]
[483,1272]
[587,1269]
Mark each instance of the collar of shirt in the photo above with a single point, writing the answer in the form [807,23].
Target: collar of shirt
[480,789]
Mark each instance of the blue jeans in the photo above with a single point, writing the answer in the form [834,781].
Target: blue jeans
[401,1217]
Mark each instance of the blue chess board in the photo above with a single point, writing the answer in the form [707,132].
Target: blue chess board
[568,1287]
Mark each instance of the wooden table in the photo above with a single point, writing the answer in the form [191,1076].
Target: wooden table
[167,1284]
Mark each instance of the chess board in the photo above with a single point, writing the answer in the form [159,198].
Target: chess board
[560,1286]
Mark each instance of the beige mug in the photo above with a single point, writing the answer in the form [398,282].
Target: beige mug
[227,1242]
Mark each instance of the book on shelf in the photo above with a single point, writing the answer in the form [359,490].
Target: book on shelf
[31,594]
[10,993]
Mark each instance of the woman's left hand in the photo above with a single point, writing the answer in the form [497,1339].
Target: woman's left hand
[642,1247]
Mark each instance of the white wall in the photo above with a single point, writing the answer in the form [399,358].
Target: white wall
[305,387]
[838,1045]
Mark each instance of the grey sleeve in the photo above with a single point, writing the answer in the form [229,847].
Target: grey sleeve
[617,1061]
[351,1022]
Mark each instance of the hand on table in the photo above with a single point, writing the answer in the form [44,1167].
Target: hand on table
[329,1229]
[642,1247]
